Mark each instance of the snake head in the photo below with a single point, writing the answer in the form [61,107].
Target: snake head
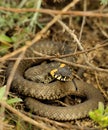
[63,73]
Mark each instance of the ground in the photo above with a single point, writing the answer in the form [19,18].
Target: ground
[92,34]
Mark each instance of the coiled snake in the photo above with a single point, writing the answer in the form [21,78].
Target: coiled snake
[53,90]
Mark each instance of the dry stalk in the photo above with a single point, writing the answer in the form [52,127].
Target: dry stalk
[49,11]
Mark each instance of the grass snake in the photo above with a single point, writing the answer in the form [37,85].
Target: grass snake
[36,91]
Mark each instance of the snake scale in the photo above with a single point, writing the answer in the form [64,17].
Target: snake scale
[35,92]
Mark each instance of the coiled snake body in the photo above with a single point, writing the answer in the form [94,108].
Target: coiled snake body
[53,90]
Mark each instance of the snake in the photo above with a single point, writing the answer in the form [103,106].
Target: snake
[37,92]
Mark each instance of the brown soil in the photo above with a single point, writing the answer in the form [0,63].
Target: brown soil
[94,35]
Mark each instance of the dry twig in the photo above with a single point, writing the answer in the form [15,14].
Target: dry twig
[24,117]
[48,11]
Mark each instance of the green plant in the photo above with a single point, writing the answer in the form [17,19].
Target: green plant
[9,101]
[104,2]
[100,115]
